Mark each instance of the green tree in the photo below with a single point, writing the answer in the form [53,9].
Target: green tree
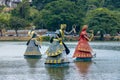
[112,4]
[22,9]
[1,8]
[39,22]
[87,5]
[39,4]
[17,23]
[102,18]
[4,20]
[57,12]
[33,14]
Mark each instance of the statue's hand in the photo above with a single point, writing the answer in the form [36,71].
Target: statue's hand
[60,39]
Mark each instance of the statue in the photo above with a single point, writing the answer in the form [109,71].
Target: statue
[33,45]
[83,51]
[58,51]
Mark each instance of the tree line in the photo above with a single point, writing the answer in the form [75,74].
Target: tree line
[49,14]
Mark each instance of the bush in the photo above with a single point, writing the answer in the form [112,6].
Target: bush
[45,38]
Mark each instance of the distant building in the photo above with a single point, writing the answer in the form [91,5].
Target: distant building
[2,2]
[11,3]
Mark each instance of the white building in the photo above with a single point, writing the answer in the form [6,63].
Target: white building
[2,2]
[11,3]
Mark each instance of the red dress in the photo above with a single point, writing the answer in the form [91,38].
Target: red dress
[83,49]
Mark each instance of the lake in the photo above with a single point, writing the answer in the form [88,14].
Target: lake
[105,66]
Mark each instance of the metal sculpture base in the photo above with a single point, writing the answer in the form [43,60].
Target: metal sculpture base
[83,59]
[65,64]
[33,56]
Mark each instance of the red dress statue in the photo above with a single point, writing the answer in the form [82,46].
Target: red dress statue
[83,50]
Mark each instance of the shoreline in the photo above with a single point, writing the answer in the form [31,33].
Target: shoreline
[47,38]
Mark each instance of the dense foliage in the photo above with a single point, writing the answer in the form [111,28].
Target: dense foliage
[102,18]
[49,14]
[17,23]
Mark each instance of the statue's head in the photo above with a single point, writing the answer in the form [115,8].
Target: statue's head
[84,27]
[63,26]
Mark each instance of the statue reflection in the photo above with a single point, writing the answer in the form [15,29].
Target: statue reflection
[83,67]
[32,65]
[32,62]
[57,73]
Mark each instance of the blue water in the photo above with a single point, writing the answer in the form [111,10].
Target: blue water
[105,66]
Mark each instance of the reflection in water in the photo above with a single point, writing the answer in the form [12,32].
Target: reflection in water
[83,67]
[57,73]
[32,62]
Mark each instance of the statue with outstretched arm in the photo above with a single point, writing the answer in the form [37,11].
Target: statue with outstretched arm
[57,51]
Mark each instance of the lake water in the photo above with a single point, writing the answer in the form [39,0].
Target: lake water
[105,66]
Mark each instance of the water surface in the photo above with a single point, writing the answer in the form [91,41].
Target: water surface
[105,66]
